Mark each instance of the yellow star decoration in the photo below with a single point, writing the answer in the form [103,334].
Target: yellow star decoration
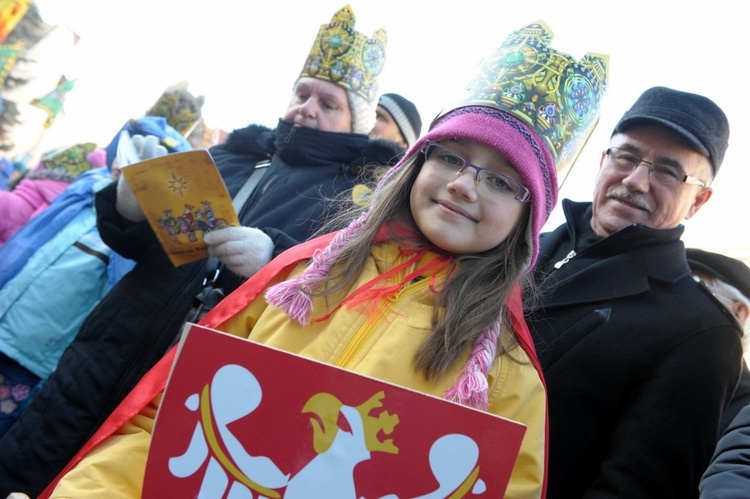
[177,184]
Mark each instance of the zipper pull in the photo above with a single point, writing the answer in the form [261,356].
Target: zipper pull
[289,135]
[565,260]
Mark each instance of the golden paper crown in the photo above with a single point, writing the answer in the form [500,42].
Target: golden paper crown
[557,96]
[71,161]
[181,109]
[346,57]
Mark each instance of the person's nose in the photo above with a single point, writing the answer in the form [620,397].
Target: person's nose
[639,178]
[309,108]
[464,184]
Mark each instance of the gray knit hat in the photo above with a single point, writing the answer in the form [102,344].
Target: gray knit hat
[405,114]
[363,113]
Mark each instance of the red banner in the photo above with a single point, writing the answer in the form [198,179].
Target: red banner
[240,419]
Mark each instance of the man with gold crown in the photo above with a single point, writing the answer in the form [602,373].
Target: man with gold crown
[318,150]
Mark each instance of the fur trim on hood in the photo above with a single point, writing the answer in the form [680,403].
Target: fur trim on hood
[254,138]
[251,139]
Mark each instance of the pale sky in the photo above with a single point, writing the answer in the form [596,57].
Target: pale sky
[244,57]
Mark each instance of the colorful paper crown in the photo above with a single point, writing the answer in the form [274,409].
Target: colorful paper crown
[69,162]
[9,54]
[346,57]
[548,90]
[181,108]
[52,103]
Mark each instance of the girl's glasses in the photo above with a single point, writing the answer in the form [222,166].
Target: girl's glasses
[493,183]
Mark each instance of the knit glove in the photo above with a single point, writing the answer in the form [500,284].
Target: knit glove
[147,147]
[243,250]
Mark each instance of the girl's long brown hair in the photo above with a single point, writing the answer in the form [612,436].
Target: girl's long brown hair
[473,294]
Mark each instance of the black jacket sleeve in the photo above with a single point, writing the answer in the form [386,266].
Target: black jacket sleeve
[133,240]
[728,475]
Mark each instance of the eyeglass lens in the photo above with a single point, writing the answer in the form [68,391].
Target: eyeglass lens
[489,181]
[660,173]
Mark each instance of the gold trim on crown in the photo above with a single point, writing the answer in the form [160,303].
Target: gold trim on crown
[557,96]
[346,57]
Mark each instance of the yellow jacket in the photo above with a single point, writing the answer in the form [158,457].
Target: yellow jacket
[379,345]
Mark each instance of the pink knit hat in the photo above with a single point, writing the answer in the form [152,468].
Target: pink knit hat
[516,141]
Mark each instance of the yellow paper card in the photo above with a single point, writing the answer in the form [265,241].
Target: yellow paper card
[183,197]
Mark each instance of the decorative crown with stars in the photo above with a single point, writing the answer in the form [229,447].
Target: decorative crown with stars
[346,57]
[548,90]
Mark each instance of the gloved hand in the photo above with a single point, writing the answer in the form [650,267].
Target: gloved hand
[148,147]
[244,250]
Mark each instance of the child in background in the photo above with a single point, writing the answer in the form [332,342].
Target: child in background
[39,187]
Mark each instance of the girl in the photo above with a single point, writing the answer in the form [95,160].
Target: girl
[428,275]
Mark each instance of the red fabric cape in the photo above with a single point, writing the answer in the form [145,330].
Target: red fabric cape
[154,381]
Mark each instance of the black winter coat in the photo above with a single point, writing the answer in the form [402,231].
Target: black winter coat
[728,475]
[141,317]
[640,362]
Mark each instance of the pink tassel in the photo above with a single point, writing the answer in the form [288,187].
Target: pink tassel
[294,296]
[472,389]
[290,298]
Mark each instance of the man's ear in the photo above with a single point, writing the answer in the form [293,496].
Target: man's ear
[601,160]
[700,199]
[741,311]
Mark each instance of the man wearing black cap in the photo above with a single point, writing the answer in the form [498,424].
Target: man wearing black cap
[640,361]
[397,119]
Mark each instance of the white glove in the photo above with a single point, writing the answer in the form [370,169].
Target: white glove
[148,147]
[127,205]
[244,250]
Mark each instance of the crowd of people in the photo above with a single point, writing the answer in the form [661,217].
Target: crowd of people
[418,259]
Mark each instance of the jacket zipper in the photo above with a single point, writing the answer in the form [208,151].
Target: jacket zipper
[363,334]
[290,135]
[565,260]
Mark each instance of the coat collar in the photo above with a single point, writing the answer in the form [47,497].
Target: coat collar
[300,146]
[623,264]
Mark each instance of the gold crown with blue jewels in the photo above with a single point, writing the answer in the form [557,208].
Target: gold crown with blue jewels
[346,57]
[550,91]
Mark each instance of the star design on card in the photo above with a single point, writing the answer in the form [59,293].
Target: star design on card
[177,184]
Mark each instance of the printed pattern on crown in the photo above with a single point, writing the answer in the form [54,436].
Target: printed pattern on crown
[557,96]
[181,109]
[71,161]
[346,57]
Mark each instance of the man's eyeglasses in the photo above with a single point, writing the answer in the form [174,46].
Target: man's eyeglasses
[488,181]
[661,173]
